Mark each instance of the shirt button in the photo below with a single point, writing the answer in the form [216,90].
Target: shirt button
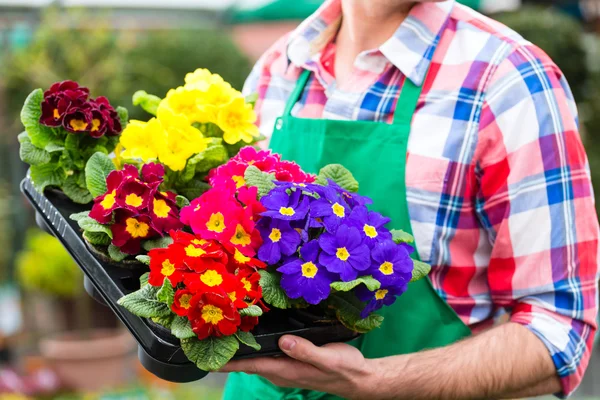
[279,124]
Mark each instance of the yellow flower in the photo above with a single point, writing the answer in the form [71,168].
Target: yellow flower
[237,119]
[201,79]
[142,139]
[181,142]
[182,101]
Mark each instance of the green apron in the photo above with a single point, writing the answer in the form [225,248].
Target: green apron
[376,155]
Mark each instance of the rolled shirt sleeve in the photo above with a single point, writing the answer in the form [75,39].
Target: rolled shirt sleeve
[535,201]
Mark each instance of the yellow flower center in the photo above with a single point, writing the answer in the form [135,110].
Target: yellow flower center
[193,251]
[56,114]
[78,125]
[241,237]
[199,242]
[161,209]
[133,200]
[232,296]
[287,211]
[167,268]
[338,210]
[247,285]
[275,235]
[184,301]
[212,314]
[211,278]
[380,294]
[216,223]
[387,268]
[309,270]
[239,181]
[109,200]
[95,125]
[342,254]
[136,228]
[240,258]
[370,231]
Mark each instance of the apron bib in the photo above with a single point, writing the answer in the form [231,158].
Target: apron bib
[376,154]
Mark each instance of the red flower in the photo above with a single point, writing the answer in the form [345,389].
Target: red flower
[249,197]
[286,171]
[248,323]
[214,219]
[250,279]
[181,302]
[135,195]
[153,172]
[215,278]
[199,254]
[104,205]
[229,175]
[129,230]
[164,214]
[244,236]
[77,120]
[237,294]
[64,86]
[261,159]
[165,263]
[212,314]
[239,260]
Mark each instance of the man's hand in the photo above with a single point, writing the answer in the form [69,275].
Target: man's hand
[336,368]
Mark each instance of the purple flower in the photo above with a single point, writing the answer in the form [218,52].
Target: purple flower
[345,252]
[382,297]
[329,211]
[279,238]
[353,199]
[392,263]
[286,206]
[371,223]
[305,277]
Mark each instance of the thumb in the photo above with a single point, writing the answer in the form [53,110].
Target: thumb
[303,350]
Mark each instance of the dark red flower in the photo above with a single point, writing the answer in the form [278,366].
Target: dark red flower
[164,214]
[153,172]
[135,195]
[63,86]
[109,115]
[105,205]
[212,314]
[77,120]
[129,230]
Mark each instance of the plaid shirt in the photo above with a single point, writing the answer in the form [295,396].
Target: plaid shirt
[498,183]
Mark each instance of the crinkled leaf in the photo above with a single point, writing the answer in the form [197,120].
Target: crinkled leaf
[46,175]
[143,259]
[399,236]
[166,293]
[123,116]
[182,201]
[371,283]
[75,191]
[53,147]
[79,216]
[72,142]
[116,254]
[148,102]
[164,321]
[212,353]
[31,112]
[144,277]
[181,328]
[159,243]
[96,170]
[273,294]
[214,155]
[91,225]
[29,153]
[193,189]
[251,311]
[348,308]
[420,270]
[97,238]
[144,303]
[262,180]
[248,339]
[340,175]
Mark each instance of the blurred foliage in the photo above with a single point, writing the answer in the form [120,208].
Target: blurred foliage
[113,63]
[5,230]
[45,266]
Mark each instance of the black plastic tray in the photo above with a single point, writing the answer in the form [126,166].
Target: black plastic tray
[159,351]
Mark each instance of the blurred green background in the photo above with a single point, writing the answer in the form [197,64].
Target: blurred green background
[151,45]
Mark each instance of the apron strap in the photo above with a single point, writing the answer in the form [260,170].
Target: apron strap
[295,96]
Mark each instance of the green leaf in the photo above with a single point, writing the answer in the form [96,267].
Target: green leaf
[251,311]
[148,102]
[340,175]
[371,283]
[144,277]
[399,236]
[420,270]
[214,155]
[96,170]
[192,189]
[79,216]
[166,293]
[123,116]
[91,225]
[348,308]
[248,339]
[143,259]
[144,303]
[181,328]
[74,191]
[31,112]
[251,98]
[212,353]
[30,154]
[97,238]
[72,143]
[159,243]
[116,254]
[53,147]
[262,180]
[164,321]
[273,294]
[46,175]
[182,201]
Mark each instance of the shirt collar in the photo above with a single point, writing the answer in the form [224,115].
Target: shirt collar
[410,49]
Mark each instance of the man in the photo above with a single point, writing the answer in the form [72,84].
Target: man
[493,182]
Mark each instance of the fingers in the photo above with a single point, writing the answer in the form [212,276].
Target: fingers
[324,358]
